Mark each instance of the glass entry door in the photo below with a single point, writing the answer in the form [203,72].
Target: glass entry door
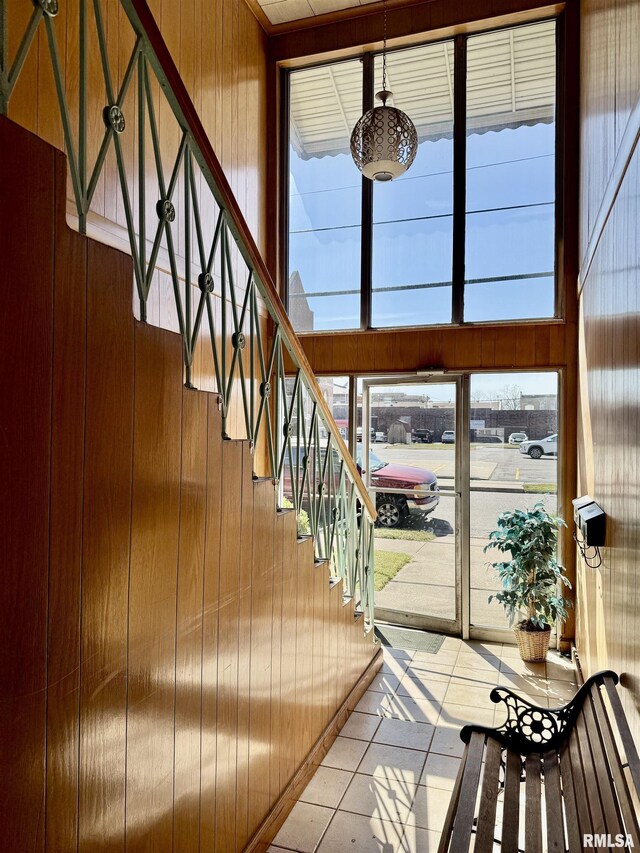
[410,435]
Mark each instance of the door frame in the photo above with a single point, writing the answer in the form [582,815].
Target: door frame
[459,626]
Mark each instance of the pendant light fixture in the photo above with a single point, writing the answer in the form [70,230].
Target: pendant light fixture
[384,141]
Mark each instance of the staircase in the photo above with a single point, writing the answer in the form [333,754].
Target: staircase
[175,658]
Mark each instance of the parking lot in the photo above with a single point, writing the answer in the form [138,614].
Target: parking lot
[499,479]
[497,463]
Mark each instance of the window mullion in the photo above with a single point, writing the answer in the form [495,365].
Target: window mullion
[459,176]
[366,247]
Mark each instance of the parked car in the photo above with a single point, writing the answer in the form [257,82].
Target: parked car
[518,437]
[381,436]
[542,447]
[418,488]
[424,436]
[448,436]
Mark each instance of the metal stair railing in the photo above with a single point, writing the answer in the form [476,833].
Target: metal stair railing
[180,211]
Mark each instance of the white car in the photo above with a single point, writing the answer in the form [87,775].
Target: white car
[541,447]
[518,437]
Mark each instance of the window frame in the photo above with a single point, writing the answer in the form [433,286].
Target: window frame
[458,259]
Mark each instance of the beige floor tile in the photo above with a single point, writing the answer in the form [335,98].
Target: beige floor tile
[401,733]
[413,710]
[384,683]
[393,763]
[327,787]
[385,799]
[440,771]
[560,668]
[478,677]
[515,666]
[446,741]
[561,692]
[360,834]
[442,656]
[450,644]
[304,827]
[423,689]
[373,702]
[481,648]
[466,694]
[509,650]
[471,660]
[394,666]
[428,676]
[397,654]
[345,754]
[423,669]
[529,684]
[463,715]
[361,726]
[429,808]
[416,840]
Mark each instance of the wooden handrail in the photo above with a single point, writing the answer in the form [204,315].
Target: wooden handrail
[143,21]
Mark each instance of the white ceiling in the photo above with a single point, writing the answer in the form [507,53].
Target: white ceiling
[511,79]
[283,11]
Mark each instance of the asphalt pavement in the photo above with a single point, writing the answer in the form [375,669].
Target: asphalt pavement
[494,463]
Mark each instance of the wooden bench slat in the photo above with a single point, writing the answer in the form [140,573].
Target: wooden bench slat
[577,772]
[574,837]
[631,753]
[622,789]
[489,798]
[533,805]
[463,823]
[591,783]
[511,811]
[553,802]
[602,772]
[443,846]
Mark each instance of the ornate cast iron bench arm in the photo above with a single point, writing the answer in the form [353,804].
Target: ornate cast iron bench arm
[530,728]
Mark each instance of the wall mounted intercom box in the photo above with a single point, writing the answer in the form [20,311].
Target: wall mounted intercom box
[590,521]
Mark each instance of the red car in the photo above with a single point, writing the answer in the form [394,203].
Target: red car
[408,487]
[412,488]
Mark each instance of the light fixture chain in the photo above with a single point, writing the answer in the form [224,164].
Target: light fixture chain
[384,49]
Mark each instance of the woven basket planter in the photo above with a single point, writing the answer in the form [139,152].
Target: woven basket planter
[533,645]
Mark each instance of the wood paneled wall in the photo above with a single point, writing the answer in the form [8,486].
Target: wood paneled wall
[161,679]
[609,411]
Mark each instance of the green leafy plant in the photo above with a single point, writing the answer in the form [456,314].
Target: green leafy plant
[532,579]
[304,528]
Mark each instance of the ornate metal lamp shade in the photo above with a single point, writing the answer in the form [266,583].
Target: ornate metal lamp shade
[384,142]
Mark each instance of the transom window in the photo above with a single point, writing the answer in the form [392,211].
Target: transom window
[468,234]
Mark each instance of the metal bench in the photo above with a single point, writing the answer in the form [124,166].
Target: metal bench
[567,778]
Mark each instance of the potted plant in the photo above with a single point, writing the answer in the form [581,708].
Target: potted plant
[532,579]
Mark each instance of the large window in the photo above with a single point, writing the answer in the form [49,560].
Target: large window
[468,234]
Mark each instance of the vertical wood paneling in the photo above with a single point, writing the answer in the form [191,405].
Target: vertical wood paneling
[189,637]
[105,550]
[26,317]
[155,513]
[210,622]
[228,640]
[609,416]
[165,633]
[65,550]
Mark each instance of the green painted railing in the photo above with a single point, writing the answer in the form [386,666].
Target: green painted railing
[220,283]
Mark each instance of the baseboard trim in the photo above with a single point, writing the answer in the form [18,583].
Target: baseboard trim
[269,828]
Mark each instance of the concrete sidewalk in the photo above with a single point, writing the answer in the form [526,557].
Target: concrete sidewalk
[426,585]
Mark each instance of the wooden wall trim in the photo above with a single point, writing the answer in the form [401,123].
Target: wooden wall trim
[279,813]
[536,345]
[624,156]
[406,25]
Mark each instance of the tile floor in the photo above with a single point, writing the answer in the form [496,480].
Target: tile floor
[384,785]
